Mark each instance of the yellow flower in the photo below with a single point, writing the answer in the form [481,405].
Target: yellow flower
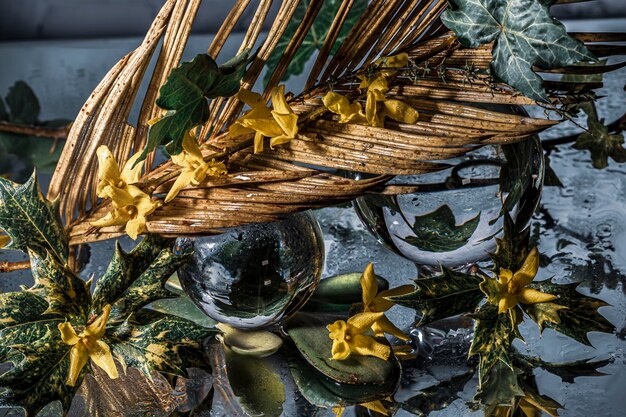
[512,286]
[372,405]
[375,302]
[348,337]
[131,206]
[4,240]
[88,345]
[279,124]
[194,167]
[348,112]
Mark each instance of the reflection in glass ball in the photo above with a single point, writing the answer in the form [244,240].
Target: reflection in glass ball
[454,219]
[255,275]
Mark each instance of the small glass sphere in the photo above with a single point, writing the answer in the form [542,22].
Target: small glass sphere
[255,275]
[454,220]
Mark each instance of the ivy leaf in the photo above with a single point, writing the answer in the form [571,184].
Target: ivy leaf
[524,35]
[442,296]
[581,315]
[23,104]
[598,141]
[186,93]
[513,247]
[437,231]
[151,341]
[316,36]
[31,221]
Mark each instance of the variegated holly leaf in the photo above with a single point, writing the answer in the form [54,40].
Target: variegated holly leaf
[438,232]
[441,296]
[125,268]
[567,371]
[186,95]
[315,37]
[31,221]
[524,35]
[66,294]
[513,247]
[41,365]
[151,341]
[543,313]
[580,316]
[598,141]
[498,387]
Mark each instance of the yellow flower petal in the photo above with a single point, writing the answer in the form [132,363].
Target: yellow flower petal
[4,240]
[527,272]
[98,327]
[113,218]
[252,99]
[190,146]
[120,197]
[129,174]
[360,323]
[531,296]
[505,276]
[337,330]
[400,111]
[384,325]
[135,227]
[258,142]
[376,406]
[381,303]
[108,170]
[340,105]
[338,410]
[102,357]
[368,346]
[68,334]
[182,181]
[340,350]
[78,359]
[369,286]
[507,302]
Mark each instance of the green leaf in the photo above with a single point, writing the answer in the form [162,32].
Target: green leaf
[442,296]
[4,115]
[513,248]
[322,391]
[23,104]
[437,397]
[543,313]
[437,231]
[567,371]
[186,93]
[581,315]
[258,387]
[310,336]
[150,341]
[499,386]
[256,343]
[598,141]
[65,293]
[183,307]
[524,35]
[30,220]
[343,289]
[39,377]
[316,36]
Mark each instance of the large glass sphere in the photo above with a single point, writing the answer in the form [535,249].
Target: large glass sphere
[255,275]
[455,218]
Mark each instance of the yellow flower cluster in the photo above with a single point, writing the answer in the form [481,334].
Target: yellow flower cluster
[87,345]
[131,206]
[349,336]
[376,406]
[279,124]
[377,106]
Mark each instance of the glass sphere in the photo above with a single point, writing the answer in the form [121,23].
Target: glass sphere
[255,275]
[454,220]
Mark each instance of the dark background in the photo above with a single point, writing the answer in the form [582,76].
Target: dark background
[68,19]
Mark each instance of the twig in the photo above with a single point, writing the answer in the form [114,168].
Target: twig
[615,126]
[6,266]
[38,131]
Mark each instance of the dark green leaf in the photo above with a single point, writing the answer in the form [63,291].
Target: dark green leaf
[442,296]
[258,387]
[598,141]
[30,220]
[343,289]
[23,104]
[186,93]
[4,115]
[315,37]
[437,231]
[310,336]
[513,248]
[568,371]
[499,386]
[183,307]
[437,397]
[32,152]
[551,179]
[581,315]
[524,35]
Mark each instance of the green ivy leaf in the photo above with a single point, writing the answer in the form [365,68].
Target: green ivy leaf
[524,35]
[581,315]
[185,95]
[441,296]
[513,247]
[598,141]
[438,232]
[23,104]
[31,221]
[316,36]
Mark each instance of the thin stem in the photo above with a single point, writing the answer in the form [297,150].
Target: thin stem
[37,131]
[615,126]
[6,266]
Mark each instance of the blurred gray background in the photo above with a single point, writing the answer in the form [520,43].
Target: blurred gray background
[68,19]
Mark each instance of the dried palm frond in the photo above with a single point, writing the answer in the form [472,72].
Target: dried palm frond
[442,83]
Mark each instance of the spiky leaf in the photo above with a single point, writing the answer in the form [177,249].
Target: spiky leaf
[513,247]
[438,232]
[543,313]
[437,397]
[581,315]
[30,220]
[315,37]
[598,141]
[567,371]
[499,386]
[185,95]
[524,35]
[441,296]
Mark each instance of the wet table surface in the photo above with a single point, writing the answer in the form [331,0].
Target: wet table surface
[582,225]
